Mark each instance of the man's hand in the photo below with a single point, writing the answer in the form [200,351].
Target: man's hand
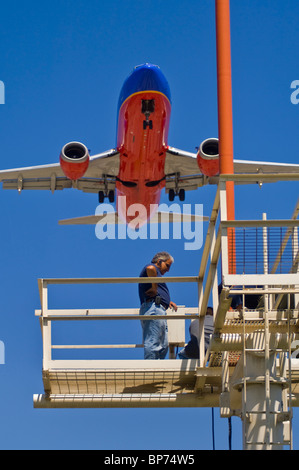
[173,306]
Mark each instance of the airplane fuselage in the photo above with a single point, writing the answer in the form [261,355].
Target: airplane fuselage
[142,138]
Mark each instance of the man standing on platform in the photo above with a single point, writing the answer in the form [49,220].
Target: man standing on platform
[155,300]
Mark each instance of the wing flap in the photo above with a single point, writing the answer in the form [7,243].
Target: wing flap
[55,184]
[46,183]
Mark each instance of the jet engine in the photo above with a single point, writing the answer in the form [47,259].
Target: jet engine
[74,160]
[208,157]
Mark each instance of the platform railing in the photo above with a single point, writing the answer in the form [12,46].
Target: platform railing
[249,256]
[264,252]
[48,315]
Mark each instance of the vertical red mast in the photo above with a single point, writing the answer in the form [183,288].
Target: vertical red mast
[225,114]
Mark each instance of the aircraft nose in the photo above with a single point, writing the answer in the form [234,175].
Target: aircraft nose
[146,77]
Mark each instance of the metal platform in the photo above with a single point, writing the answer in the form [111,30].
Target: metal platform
[173,382]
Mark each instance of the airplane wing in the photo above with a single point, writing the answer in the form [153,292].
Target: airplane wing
[52,177]
[181,169]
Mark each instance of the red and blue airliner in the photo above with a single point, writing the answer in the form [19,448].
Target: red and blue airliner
[142,164]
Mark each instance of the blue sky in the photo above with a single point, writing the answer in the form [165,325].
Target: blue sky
[63,64]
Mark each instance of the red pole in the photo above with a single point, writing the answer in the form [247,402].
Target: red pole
[225,113]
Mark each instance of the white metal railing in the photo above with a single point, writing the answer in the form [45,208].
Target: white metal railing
[251,260]
[259,252]
[48,315]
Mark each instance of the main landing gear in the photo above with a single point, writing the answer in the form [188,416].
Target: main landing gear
[180,192]
[110,195]
[172,193]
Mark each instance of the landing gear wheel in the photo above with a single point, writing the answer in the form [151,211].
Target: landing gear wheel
[171,195]
[147,123]
[101,197]
[111,196]
[182,195]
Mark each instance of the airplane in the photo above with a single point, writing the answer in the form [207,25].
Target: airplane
[142,164]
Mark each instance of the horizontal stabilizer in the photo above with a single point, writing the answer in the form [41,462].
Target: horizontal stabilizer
[108,218]
[113,218]
[172,217]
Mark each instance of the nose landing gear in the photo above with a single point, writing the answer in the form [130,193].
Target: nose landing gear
[147,108]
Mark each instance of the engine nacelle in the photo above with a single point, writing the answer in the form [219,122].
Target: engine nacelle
[208,157]
[74,160]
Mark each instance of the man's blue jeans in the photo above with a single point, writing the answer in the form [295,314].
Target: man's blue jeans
[155,333]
